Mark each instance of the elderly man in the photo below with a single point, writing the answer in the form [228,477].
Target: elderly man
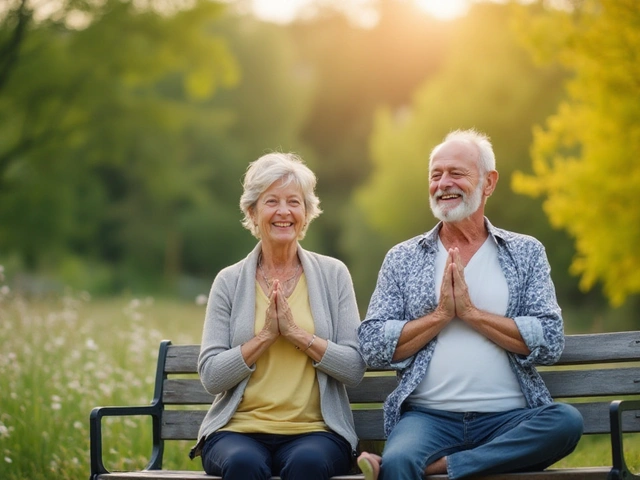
[464,312]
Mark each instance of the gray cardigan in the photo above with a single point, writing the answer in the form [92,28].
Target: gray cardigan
[229,322]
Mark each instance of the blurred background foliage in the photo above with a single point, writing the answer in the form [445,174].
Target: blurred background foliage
[126,126]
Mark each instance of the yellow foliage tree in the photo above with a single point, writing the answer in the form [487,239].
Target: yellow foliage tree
[586,159]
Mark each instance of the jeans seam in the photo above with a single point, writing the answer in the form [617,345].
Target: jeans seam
[444,452]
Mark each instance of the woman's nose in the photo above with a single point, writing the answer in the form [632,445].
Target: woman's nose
[284,210]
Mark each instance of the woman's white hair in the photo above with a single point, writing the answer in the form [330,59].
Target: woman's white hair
[270,168]
[472,137]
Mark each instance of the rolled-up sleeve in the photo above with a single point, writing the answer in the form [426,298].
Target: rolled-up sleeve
[540,320]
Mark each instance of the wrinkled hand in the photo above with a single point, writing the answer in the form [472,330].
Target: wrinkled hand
[464,307]
[270,328]
[454,292]
[286,324]
[447,305]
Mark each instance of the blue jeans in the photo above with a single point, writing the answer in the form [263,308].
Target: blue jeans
[258,456]
[526,439]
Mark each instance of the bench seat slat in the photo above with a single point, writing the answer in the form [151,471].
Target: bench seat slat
[592,473]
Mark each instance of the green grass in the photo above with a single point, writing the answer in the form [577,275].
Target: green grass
[61,357]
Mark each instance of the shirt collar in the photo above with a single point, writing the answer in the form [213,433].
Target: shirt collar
[429,240]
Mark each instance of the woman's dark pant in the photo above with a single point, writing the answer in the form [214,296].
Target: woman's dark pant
[258,456]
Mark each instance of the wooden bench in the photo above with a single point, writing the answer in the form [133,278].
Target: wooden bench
[594,371]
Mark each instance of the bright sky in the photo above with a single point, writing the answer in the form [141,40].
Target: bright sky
[284,10]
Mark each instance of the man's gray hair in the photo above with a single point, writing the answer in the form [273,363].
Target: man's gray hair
[270,168]
[472,137]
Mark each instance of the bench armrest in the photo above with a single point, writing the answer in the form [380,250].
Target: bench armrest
[620,469]
[95,434]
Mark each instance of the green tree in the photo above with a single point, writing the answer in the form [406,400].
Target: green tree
[355,70]
[585,158]
[265,112]
[96,119]
[489,83]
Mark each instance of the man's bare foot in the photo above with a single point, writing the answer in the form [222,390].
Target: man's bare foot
[369,464]
[437,467]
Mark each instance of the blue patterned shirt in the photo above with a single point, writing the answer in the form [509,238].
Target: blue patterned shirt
[406,290]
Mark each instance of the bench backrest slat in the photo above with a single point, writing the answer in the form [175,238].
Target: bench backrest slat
[583,376]
[592,383]
[601,348]
[374,389]
[579,349]
[184,424]
[182,359]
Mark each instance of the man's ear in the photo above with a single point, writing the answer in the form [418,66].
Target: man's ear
[491,180]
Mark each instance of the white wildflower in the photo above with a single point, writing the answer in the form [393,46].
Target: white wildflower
[77,425]
[8,459]
[106,389]
[90,344]
[201,299]
[135,303]
[74,385]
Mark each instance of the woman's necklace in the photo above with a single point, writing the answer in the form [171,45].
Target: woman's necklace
[266,280]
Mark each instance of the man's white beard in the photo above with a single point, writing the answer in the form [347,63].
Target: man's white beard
[468,206]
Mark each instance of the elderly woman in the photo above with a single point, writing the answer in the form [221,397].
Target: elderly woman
[279,342]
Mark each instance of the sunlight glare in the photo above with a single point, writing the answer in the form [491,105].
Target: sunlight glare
[280,11]
[284,11]
[444,9]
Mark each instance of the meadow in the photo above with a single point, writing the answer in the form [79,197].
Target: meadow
[64,355]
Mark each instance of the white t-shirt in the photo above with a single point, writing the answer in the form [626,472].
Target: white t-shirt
[468,372]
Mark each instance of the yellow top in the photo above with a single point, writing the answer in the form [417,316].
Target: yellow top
[282,396]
